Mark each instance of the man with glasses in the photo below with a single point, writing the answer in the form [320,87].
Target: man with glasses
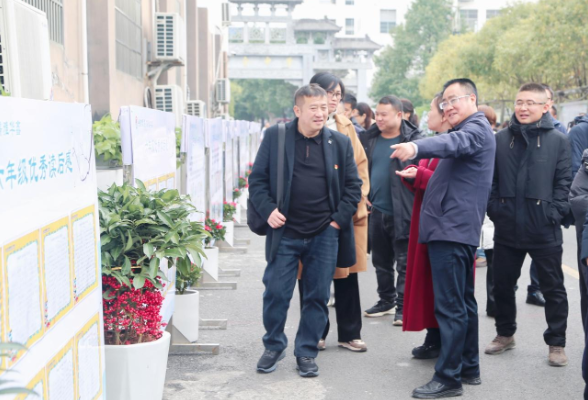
[529,199]
[451,220]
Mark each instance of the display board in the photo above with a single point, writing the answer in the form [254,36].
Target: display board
[50,287]
[229,179]
[243,147]
[193,144]
[214,132]
[148,141]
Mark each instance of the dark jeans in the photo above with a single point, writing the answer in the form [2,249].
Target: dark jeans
[319,256]
[534,286]
[507,270]
[452,266]
[433,337]
[387,249]
[490,303]
[347,308]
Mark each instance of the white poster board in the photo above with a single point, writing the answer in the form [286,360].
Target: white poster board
[193,142]
[215,169]
[243,148]
[152,139]
[235,129]
[229,179]
[50,280]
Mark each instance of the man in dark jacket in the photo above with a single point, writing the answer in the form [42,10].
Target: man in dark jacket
[528,202]
[314,224]
[578,136]
[392,205]
[350,104]
[451,220]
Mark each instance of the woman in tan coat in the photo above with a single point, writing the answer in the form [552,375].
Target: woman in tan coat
[348,308]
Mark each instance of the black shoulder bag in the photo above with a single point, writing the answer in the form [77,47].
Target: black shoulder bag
[255,222]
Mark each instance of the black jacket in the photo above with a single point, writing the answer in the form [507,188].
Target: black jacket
[531,185]
[578,136]
[579,196]
[342,179]
[402,198]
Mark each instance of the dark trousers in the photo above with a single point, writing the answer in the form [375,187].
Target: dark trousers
[452,266]
[490,303]
[347,308]
[433,337]
[507,270]
[386,250]
[319,256]
[534,286]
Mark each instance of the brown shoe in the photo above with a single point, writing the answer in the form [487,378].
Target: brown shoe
[500,344]
[357,345]
[557,356]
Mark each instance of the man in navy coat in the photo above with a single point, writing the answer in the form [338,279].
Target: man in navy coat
[451,219]
[321,192]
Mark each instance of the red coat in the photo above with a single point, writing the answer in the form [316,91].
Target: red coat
[419,309]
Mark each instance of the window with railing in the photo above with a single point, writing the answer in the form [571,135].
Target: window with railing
[349,26]
[387,20]
[128,33]
[54,11]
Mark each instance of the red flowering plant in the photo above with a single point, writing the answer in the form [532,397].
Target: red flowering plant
[243,183]
[237,193]
[215,229]
[229,210]
[249,168]
[139,231]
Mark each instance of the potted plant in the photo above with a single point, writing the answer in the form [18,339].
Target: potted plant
[229,211]
[217,232]
[187,303]
[243,186]
[236,194]
[107,143]
[139,231]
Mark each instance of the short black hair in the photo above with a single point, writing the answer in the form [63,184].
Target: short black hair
[554,108]
[533,87]
[549,89]
[350,99]
[312,90]
[328,81]
[467,84]
[393,101]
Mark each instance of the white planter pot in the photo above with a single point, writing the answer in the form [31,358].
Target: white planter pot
[230,232]
[187,314]
[210,264]
[238,214]
[243,198]
[136,371]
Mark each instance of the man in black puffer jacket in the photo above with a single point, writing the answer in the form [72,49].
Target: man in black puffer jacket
[529,199]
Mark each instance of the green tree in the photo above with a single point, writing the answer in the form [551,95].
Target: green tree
[401,66]
[261,99]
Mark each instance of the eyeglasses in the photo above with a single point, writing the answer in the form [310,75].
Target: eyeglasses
[452,102]
[528,103]
[334,94]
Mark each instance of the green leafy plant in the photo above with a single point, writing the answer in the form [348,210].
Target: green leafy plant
[107,141]
[4,92]
[183,282]
[229,210]
[236,194]
[8,350]
[140,228]
[243,182]
[216,230]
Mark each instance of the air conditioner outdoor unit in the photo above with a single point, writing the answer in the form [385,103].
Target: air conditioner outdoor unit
[223,91]
[226,14]
[25,63]
[170,98]
[196,108]
[170,37]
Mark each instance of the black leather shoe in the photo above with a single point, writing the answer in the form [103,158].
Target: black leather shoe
[472,380]
[306,367]
[269,360]
[536,298]
[426,351]
[436,390]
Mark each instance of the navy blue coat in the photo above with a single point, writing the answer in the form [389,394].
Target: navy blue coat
[578,136]
[342,179]
[457,194]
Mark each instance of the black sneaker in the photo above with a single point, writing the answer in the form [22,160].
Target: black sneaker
[536,298]
[380,309]
[426,351]
[472,380]
[269,360]
[306,367]
[397,319]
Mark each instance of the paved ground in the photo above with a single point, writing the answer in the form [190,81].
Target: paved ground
[387,370]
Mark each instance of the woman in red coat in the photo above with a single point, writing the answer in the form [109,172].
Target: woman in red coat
[419,312]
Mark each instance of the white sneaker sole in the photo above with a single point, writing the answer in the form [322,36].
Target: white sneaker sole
[392,311]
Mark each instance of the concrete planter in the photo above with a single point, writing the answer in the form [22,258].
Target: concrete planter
[137,371]
[187,314]
[230,232]
[105,177]
[210,264]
